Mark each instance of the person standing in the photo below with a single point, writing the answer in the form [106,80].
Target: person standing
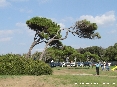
[97,68]
[52,63]
[109,66]
[102,65]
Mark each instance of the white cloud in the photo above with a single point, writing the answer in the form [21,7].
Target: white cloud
[112,32]
[23,28]
[6,32]
[105,19]
[40,50]
[4,39]
[4,3]
[37,50]
[80,45]
[31,32]
[21,25]
[5,35]
[61,25]
[43,1]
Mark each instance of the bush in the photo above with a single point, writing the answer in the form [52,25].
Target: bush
[14,65]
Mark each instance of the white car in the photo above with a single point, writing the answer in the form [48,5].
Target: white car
[73,64]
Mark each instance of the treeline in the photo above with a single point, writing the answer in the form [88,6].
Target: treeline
[105,54]
[93,53]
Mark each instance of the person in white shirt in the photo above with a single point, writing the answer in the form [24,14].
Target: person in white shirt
[109,66]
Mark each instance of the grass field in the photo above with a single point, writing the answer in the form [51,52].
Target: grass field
[64,77]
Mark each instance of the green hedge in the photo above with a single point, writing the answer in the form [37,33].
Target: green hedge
[14,65]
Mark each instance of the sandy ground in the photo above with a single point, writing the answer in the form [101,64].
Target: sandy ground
[29,81]
[33,81]
[23,81]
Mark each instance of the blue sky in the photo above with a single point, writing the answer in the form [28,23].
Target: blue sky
[16,37]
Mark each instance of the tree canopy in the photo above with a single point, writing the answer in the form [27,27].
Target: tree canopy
[49,32]
[44,28]
[111,52]
[85,29]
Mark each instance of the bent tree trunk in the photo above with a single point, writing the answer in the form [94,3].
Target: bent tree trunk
[31,47]
[42,54]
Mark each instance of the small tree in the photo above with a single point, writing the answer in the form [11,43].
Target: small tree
[49,32]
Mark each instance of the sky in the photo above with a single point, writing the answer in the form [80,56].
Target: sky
[16,37]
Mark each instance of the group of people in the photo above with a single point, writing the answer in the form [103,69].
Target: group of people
[103,65]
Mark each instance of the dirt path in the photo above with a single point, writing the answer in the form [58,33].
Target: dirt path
[23,81]
[29,81]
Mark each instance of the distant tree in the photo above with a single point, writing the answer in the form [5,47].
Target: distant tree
[89,56]
[81,50]
[48,31]
[96,50]
[68,51]
[80,57]
[61,53]
[51,52]
[111,52]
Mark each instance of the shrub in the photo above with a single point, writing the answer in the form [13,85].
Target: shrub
[14,65]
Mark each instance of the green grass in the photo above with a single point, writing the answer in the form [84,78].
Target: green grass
[74,77]
[94,81]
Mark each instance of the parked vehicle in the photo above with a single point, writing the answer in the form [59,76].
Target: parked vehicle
[53,64]
[73,64]
[87,64]
[80,64]
[66,64]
